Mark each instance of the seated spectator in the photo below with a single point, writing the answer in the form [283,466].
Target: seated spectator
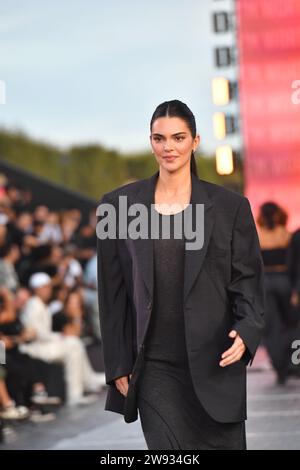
[60,293]
[24,374]
[70,222]
[41,213]
[21,227]
[9,255]
[70,319]
[50,346]
[45,258]
[91,297]
[86,242]
[69,268]
[51,232]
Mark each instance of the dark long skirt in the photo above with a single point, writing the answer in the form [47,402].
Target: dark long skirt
[172,416]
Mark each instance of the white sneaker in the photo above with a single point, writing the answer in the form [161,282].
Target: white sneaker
[96,383]
[42,398]
[14,412]
[37,417]
[84,400]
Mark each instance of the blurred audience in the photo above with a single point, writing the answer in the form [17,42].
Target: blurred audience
[50,346]
[46,316]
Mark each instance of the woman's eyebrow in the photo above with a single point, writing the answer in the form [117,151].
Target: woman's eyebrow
[161,135]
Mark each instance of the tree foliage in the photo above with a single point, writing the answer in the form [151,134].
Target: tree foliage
[93,169]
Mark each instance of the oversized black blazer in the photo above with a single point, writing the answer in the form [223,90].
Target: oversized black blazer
[223,290]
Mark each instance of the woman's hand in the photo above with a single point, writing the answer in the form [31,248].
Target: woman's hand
[122,384]
[235,352]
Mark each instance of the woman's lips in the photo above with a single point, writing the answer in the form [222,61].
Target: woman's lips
[170,158]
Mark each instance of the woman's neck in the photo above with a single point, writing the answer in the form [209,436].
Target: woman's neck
[174,184]
[173,189]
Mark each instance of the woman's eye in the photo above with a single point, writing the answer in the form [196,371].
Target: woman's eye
[180,138]
[157,139]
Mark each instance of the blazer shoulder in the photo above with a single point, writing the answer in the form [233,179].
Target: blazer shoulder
[226,201]
[124,190]
[216,190]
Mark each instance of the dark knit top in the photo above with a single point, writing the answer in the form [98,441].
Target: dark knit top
[165,339]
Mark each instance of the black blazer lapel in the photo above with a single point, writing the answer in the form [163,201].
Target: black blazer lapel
[144,247]
[194,258]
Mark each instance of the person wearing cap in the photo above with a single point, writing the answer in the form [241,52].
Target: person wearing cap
[50,346]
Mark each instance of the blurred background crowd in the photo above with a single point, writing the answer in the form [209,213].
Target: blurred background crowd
[49,322]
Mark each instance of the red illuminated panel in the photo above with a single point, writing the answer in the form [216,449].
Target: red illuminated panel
[269,58]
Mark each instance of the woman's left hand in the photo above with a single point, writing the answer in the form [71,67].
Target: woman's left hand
[235,352]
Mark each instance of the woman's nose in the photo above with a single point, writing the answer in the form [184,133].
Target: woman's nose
[168,146]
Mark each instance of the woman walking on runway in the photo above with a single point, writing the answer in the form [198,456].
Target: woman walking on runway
[179,324]
[274,239]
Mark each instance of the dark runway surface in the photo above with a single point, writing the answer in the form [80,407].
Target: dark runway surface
[273,421]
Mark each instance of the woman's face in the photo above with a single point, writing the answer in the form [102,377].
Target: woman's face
[172,142]
[73,304]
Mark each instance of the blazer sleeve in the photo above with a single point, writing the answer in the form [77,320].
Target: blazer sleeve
[114,310]
[246,288]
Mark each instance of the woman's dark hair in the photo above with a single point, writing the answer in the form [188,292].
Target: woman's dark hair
[270,215]
[176,108]
[41,252]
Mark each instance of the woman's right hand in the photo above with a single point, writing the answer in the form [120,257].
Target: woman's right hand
[122,384]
